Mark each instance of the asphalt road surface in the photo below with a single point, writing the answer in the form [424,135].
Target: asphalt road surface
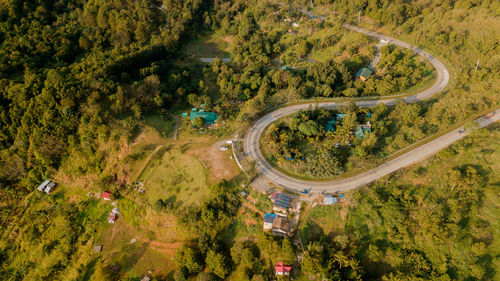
[251,143]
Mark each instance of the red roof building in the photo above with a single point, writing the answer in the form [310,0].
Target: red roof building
[282,269]
[106,195]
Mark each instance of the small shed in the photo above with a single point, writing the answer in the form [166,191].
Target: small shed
[268,221]
[111,218]
[50,187]
[106,195]
[282,269]
[341,116]
[115,211]
[47,186]
[364,73]
[97,248]
[42,186]
[146,278]
[329,200]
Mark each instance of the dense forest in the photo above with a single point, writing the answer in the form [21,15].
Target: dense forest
[77,74]
[69,69]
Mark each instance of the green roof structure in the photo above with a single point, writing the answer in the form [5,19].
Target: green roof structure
[330,125]
[360,132]
[209,117]
[364,73]
[341,116]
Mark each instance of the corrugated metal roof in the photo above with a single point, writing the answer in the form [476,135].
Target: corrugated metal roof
[329,199]
[364,72]
[209,117]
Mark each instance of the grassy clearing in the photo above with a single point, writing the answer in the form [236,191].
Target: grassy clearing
[209,46]
[175,176]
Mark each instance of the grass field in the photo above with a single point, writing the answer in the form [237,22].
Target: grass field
[209,46]
[175,176]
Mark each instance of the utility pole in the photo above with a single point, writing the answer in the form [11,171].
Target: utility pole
[477,64]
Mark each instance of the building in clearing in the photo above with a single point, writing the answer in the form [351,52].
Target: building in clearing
[329,200]
[364,73]
[46,186]
[106,195]
[111,218]
[268,221]
[282,269]
[97,248]
[362,129]
[210,118]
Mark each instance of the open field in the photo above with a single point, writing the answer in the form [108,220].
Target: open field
[209,46]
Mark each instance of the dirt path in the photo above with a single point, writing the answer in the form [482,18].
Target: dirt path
[177,121]
[146,162]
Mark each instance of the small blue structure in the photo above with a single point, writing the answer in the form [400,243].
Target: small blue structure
[341,116]
[184,114]
[268,221]
[290,156]
[330,125]
[368,115]
[285,68]
[269,218]
[329,200]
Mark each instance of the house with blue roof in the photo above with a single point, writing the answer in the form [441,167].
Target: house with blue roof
[268,221]
[210,118]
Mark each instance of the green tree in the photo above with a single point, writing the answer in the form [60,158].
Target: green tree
[198,122]
[216,263]
[309,128]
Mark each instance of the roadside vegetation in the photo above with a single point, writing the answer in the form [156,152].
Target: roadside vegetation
[323,144]
[436,221]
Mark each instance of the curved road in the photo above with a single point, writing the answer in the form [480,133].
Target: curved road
[252,149]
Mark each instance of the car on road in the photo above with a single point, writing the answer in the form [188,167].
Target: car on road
[223,148]
[461,131]
[383,41]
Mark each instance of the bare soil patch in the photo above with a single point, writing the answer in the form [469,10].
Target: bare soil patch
[219,164]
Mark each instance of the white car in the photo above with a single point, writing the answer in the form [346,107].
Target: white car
[223,148]
[383,41]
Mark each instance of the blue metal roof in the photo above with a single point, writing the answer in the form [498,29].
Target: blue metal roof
[269,218]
